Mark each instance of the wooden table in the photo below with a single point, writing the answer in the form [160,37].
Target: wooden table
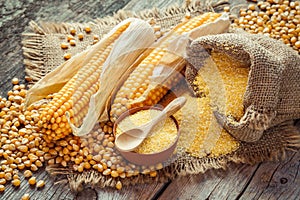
[271,180]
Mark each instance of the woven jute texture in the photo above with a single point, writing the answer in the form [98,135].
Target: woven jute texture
[276,101]
[272,94]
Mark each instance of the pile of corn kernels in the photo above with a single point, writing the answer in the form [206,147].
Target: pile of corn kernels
[23,149]
[278,19]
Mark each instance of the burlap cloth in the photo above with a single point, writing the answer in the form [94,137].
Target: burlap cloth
[42,52]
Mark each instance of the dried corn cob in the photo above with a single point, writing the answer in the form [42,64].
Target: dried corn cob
[138,83]
[74,96]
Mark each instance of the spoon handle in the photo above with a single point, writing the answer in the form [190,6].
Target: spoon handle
[171,108]
[174,106]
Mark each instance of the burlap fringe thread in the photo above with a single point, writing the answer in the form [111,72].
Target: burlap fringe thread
[286,136]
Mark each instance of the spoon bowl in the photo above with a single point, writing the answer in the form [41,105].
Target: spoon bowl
[131,139]
[147,159]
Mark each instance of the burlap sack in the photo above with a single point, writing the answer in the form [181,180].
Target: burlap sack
[273,91]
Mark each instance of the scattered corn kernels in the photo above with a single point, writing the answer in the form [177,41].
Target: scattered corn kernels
[119,185]
[72,31]
[80,36]
[2,188]
[15,81]
[67,56]
[16,182]
[64,45]
[72,42]
[277,19]
[40,184]
[32,180]
[25,197]
[27,173]
[87,29]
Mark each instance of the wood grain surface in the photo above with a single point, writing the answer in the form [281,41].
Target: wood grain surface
[270,180]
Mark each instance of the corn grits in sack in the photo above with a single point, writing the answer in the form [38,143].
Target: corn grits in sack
[73,84]
[272,92]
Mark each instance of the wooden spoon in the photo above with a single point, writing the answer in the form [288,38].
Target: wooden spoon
[131,139]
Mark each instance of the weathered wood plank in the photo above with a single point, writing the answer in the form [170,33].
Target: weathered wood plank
[276,180]
[137,5]
[215,184]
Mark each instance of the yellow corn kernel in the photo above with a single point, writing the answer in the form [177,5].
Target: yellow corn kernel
[2,181]
[67,56]
[72,42]
[27,173]
[137,90]
[64,45]
[15,81]
[32,181]
[74,96]
[40,184]
[72,31]
[80,36]
[87,29]
[2,188]
[119,185]
[70,37]
[114,173]
[25,197]
[16,182]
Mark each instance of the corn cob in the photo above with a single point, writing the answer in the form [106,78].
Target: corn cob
[139,80]
[74,96]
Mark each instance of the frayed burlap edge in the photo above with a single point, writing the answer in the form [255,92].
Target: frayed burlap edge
[286,136]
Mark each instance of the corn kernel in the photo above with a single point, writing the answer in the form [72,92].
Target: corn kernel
[72,31]
[64,45]
[15,81]
[72,42]
[40,184]
[119,185]
[16,182]
[27,173]
[67,56]
[2,188]
[25,197]
[32,180]
[80,36]
[87,29]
